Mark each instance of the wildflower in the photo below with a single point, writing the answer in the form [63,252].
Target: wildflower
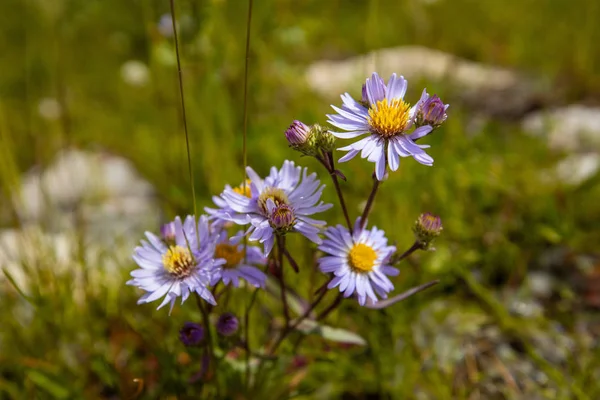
[426,228]
[165,25]
[177,269]
[227,324]
[430,110]
[359,261]
[239,261]
[191,334]
[167,232]
[309,140]
[277,205]
[387,118]
[224,213]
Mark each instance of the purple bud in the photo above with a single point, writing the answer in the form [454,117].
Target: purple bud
[191,334]
[167,231]
[427,228]
[365,98]
[432,111]
[298,133]
[282,217]
[227,324]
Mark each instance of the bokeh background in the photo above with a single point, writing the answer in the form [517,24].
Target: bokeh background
[92,153]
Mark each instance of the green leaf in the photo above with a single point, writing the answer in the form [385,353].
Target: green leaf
[47,384]
[327,332]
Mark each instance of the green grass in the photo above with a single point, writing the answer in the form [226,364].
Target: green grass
[499,215]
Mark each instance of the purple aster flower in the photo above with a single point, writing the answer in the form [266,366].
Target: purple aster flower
[387,118]
[191,334]
[239,261]
[430,110]
[359,261]
[178,269]
[227,324]
[279,204]
[222,215]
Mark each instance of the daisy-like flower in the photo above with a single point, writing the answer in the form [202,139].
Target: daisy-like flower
[178,268]
[224,213]
[279,204]
[359,261]
[387,118]
[239,261]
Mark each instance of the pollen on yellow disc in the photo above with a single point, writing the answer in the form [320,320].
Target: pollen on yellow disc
[362,258]
[389,118]
[178,261]
[244,189]
[230,254]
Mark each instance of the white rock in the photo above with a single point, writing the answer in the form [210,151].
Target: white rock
[572,128]
[491,89]
[577,168]
[103,194]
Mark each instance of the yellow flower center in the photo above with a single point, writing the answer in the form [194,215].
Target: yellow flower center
[178,261]
[389,118]
[230,254]
[277,195]
[244,189]
[362,258]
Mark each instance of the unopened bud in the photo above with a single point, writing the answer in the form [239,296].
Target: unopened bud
[297,134]
[325,140]
[431,111]
[282,218]
[191,334]
[227,324]
[167,232]
[427,228]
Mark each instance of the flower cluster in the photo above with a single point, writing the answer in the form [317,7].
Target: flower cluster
[240,242]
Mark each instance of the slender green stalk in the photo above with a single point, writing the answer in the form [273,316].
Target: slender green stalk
[280,253]
[336,183]
[181,94]
[209,340]
[365,214]
[245,164]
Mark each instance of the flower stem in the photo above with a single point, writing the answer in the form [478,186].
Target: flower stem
[329,164]
[415,246]
[209,341]
[280,254]
[331,307]
[182,97]
[247,337]
[367,210]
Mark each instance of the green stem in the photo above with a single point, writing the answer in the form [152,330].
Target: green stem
[369,205]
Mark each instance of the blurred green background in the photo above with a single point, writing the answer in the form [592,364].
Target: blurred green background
[100,76]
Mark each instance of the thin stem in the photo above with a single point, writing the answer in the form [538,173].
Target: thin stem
[365,214]
[291,260]
[286,331]
[331,307]
[336,183]
[280,253]
[181,94]
[208,330]
[247,337]
[415,246]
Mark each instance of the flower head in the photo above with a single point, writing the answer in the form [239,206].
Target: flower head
[178,268]
[239,261]
[227,324]
[430,110]
[359,261]
[191,334]
[387,118]
[426,228]
[298,133]
[279,204]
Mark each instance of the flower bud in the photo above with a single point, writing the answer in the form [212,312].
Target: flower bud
[227,324]
[191,334]
[282,218]
[167,232]
[297,134]
[325,140]
[427,228]
[431,111]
